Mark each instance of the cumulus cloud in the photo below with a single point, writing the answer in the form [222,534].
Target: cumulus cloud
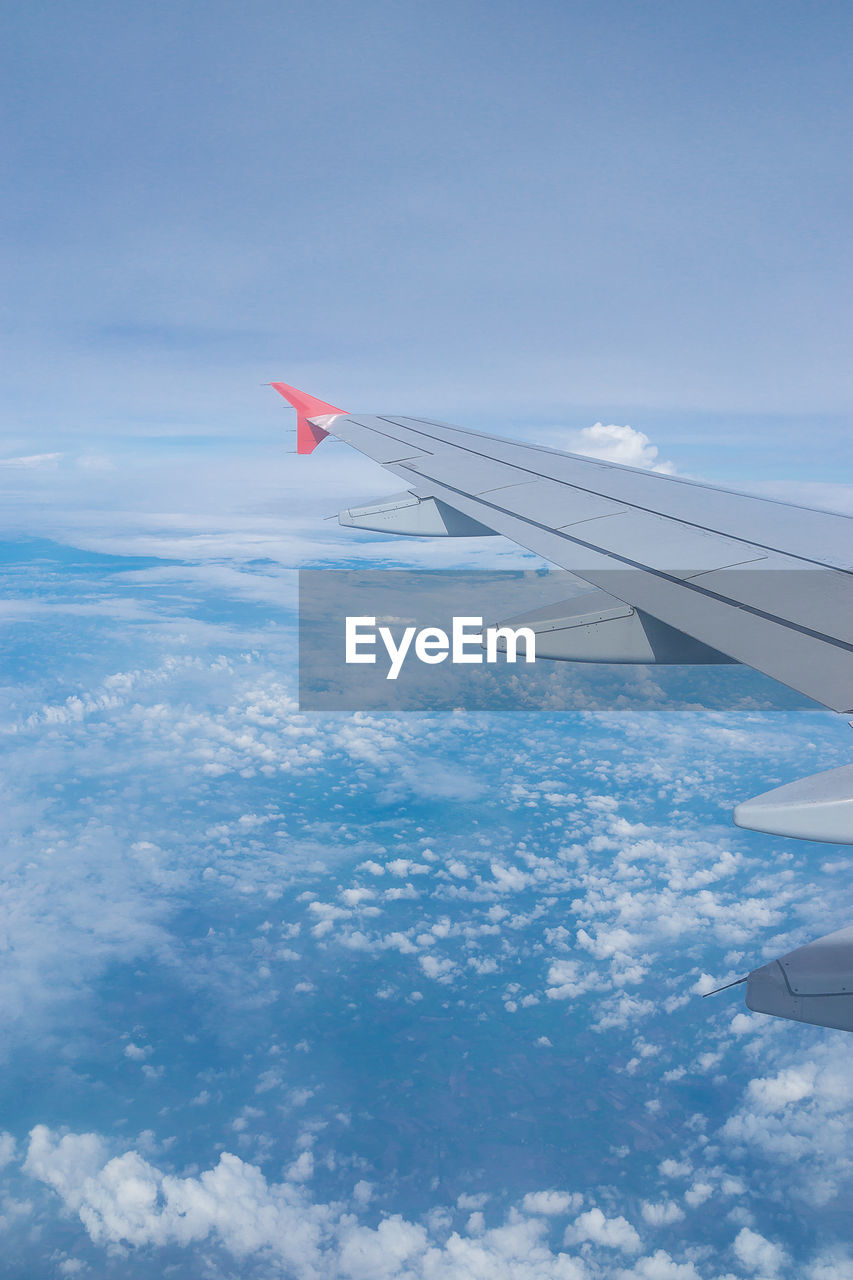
[758,1253]
[780,1113]
[439,968]
[698,1194]
[568,979]
[552,1202]
[127,1200]
[137,1052]
[661,1213]
[613,1233]
[624,445]
[793,1084]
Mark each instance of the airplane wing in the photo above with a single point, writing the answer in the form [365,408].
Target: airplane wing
[682,572]
[703,573]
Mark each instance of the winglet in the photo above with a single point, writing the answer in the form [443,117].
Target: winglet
[308,435]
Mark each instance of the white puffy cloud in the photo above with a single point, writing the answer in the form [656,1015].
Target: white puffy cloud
[137,1052]
[624,445]
[66,1164]
[660,1213]
[552,1202]
[698,1194]
[613,1233]
[362,1192]
[568,979]
[366,1253]
[441,969]
[127,1200]
[779,1115]
[621,1011]
[793,1084]
[302,1168]
[757,1253]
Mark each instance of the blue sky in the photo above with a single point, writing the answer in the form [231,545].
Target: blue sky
[522,215]
[380,996]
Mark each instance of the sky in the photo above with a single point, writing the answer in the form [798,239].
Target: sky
[512,215]
[292,996]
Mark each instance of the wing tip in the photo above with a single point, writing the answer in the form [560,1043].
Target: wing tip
[308,434]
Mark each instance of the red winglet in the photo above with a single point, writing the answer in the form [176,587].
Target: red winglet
[307,435]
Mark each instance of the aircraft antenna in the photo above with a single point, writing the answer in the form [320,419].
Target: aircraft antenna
[736,983]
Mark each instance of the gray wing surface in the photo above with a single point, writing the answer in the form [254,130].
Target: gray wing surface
[768,583]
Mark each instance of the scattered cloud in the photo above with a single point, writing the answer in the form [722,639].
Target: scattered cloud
[125,1200]
[594,889]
